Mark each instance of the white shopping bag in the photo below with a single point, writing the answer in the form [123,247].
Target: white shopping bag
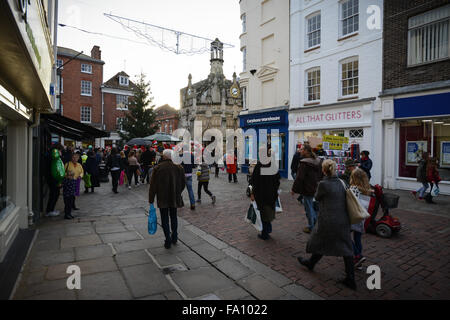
[278,207]
[253,216]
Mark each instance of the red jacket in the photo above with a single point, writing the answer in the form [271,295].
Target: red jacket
[231,168]
[433,175]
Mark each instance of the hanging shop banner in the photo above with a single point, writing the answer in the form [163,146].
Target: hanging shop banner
[445,154]
[334,142]
[414,151]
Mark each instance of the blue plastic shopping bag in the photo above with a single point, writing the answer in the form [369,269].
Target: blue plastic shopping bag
[152,220]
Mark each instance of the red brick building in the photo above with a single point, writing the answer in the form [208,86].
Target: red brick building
[416,90]
[167,118]
[81,82]
[116,93]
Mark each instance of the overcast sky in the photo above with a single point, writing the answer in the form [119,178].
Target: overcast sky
[166,71]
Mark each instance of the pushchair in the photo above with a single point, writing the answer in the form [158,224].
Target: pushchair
[386,225]
[103,172]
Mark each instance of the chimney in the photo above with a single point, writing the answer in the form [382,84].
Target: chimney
[96,53]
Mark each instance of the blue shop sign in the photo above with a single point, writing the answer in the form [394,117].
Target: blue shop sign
[264,119]
[422,106]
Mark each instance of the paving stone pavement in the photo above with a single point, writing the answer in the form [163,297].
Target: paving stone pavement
[414,263]
[119,260]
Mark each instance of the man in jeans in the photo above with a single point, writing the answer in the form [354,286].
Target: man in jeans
[188,174]
[308,175]
[166,184]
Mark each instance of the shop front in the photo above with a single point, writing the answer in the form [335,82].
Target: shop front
[340,130]
[27,77]
[414,125]
[269,121]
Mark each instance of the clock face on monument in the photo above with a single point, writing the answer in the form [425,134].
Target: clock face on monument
[234,92]
[189,91]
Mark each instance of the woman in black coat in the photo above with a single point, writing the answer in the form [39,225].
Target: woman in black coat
[265,193]
[91,167]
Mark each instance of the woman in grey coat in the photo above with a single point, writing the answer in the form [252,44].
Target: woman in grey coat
[331,234]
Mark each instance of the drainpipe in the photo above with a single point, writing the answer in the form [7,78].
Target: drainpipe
[35,124]
[103,113]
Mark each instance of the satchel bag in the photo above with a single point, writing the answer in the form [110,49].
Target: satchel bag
[355,210]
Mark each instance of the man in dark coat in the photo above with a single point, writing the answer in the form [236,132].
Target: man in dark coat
[147,158]
[308,176]
[265,193]
[91,167]
[167,183]
[295,162]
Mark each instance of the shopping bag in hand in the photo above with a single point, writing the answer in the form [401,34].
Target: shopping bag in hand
[278,207]
[254,216]
[122,174]
[87,180]
[152,220]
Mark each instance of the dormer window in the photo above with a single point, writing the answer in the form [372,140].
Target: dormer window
[123,81]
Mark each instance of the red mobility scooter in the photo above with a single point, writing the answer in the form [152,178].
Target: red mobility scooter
[386,225]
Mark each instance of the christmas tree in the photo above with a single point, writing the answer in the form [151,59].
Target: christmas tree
[139,122]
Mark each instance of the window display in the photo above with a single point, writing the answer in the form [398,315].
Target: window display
[424,135]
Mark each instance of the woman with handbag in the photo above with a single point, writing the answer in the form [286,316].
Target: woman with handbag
[359,185]
[331,234]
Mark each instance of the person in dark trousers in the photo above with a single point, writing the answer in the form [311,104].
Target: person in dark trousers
[188,168]
[295,162]
[294,168]
[133,168]
[331,235]
[203,181]
[69,184]
[91,167]
[114,166]
[421,175]
[265,193]
[147,159]
[366,163]
[308,176]
[231,160]
[54,187]
[167,183]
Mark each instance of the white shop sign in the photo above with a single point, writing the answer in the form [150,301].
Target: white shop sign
[330,118]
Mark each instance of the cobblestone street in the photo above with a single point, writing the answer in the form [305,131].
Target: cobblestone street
[219,255]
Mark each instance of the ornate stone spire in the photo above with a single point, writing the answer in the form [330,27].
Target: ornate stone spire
[216,57]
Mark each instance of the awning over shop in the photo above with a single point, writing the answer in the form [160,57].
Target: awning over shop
[69,128]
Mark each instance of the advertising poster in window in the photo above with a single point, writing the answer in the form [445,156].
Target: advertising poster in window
[276,147]
[445,154]
[331,142]
[414,151]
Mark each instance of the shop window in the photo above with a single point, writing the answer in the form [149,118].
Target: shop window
[424,135]
[349,77]
[349,17]
[85,115]
[429,36]
[5,205]
[313,84]
[356,133]
[338,133]
[313,30]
